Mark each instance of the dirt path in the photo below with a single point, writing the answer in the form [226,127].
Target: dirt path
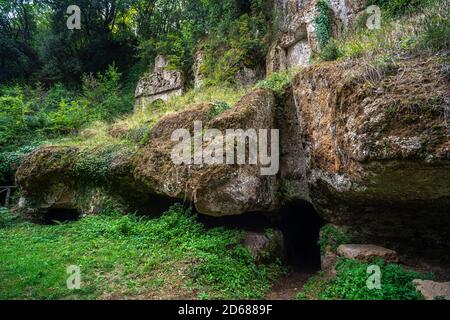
[288,286]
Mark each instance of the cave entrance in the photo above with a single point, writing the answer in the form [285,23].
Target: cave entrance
[301,225]
[54,215]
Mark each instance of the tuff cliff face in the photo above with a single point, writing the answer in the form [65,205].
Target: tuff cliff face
[376,141]
[69,177]
[355,142]
[159,85]
[298,38]
[219,189]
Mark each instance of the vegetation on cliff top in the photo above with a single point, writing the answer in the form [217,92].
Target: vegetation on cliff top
[407,27]
[76,89]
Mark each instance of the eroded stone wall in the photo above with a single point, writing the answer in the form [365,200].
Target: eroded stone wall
[161,84]
[297,37]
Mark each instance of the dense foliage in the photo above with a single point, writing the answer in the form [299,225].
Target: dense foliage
[30,113]
[399,7]
[37,45]
[323,22]
[351,283]
[331,237]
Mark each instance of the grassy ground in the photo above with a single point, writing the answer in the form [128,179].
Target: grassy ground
[168,257]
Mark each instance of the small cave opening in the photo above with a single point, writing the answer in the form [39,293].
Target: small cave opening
[154,205]
[301,226]
[56,215]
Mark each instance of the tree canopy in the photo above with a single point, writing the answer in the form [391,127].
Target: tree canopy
[36,45]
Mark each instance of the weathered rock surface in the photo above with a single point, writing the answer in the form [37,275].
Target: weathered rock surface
[199,75]
[70,177]
[367,145]
[161,84]
[298,37]
[366,252]
[265,246]
[215,189]
[432,290]
[377,148]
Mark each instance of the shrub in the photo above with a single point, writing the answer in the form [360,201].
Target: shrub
[331,52]
[218,108]
[241,44]
[104,95]
[323,22]
[50,100]
[332,237]
[33,114]
[10,161]
[69,117]
[436,34]
[351,278]
[6,218]
[12,118]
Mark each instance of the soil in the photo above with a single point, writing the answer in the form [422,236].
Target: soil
[287,287]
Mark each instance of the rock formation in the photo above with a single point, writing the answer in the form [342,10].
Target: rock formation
[161,84]
[366,144]
[55,177]
[366,252]
[265,246]
[377,155]
[432,290]
[354,142]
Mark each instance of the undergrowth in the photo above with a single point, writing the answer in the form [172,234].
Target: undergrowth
[278,81]
[126,257]
[350,283]
[406,28]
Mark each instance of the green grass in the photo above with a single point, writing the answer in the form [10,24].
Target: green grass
[128,257]
[278,81]
[350,283]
